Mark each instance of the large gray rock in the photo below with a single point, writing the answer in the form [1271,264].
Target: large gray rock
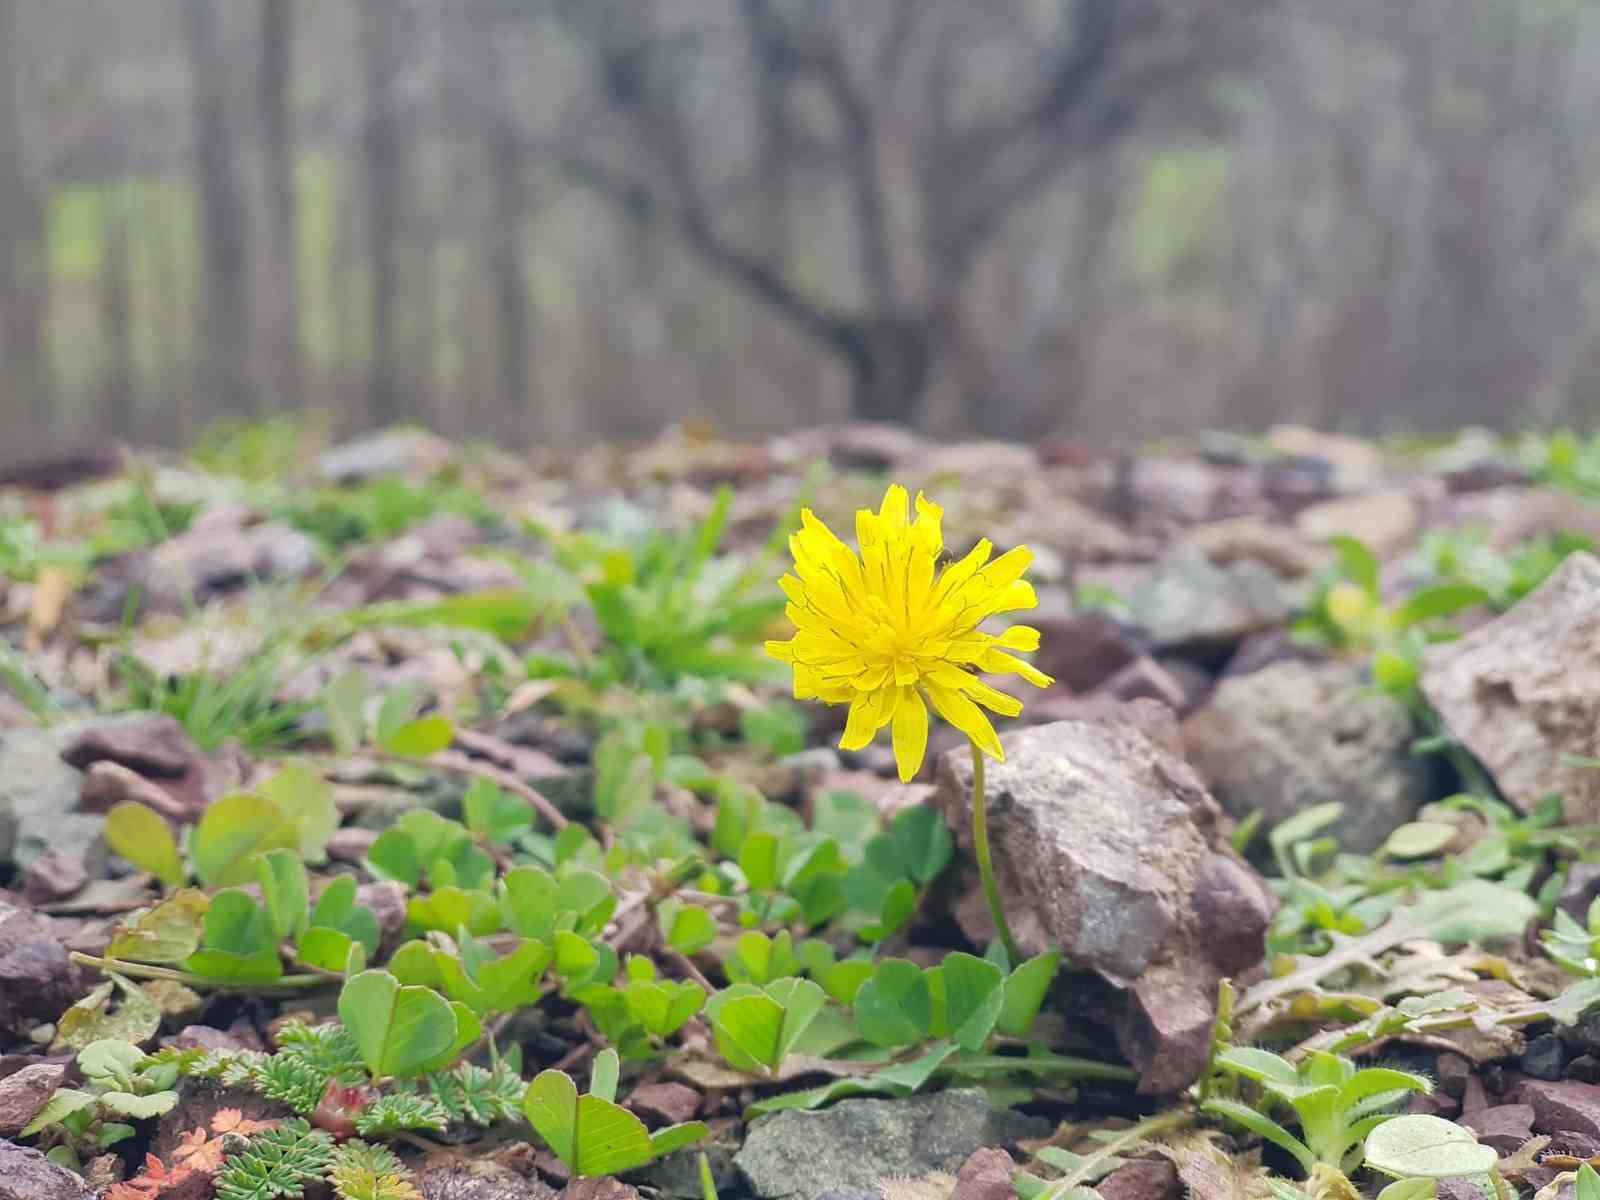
[39,799]
[1191,603]
[1296,734]
[1108,847]
[26,1174]
[1522,692]
[856,1143]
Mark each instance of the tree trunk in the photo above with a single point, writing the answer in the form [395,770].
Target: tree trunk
[118,396]
[890,362]
[383,44]
[25,384]
[284,373]
[225,354]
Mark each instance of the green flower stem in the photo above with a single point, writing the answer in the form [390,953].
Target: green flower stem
[980,850]
[284,983]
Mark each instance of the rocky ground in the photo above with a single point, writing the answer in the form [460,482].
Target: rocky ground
[1316,775]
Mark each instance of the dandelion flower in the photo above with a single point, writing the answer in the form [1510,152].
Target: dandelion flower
[890,632]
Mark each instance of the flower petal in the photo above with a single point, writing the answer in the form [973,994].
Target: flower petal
[910,733]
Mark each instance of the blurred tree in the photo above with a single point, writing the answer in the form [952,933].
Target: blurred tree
[923,125]
[24,262]
[281,282]
[384,38]
[225,380]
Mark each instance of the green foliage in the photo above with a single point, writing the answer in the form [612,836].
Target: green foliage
[399,1029]
[362,1171]
[669,606]
[379,509]
[400,1112]
[121,1084]
[1335,1103]
[479,1095]
[277,1162]
[241,705]
[1572,946]
[592,1134]
[423,847]
[756,1027]
[1417,1146]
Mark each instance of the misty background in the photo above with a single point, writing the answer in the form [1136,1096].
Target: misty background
[545,221]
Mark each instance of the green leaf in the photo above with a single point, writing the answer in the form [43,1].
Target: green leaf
[331,950]
[1587,1185]
[843,980]
[603,1075]
[1357,563]
[1419,839]
[393,855]
[974,994]
[747,1030]
[1445,600]
[233,833]
[894,1007]
[675,1137]
[493,814]
[664,1007]
[802,1001]
[398,1029]
[168,933]
[139,1107]
[1264,1127]
[337,909]
[451,909]
[61,1105]
[1026,988]
[345,701]
[528,901]
[758,859]
[1421,1189]
[421,738]
[1261,1065]
[110,1062]
[90,1020]
[923,841]
[399,706]
[591,1135]
[305,799]
[285,891]
[236,923]
[144,839]
[1474,911]
[1416,1145]
[686,928]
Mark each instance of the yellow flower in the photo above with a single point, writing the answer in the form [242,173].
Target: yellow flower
[883,631]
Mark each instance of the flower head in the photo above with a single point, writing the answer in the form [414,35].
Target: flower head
[890,629]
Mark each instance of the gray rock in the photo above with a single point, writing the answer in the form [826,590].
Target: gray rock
[39,799]
[1294,735]
[1561,1106]
[1385,520]
[25,1092]
[216,559]
[1108,847]
[1193,603]
[1522,692]
[1545,1057]
[391,452]
[856,1143]
[26,1174]
[986,1175]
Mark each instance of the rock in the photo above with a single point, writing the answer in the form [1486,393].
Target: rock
[857,1143]
[1563,1105]
[1191,603]
[986,1175]
[25,1092]
[54,875]
[1082,651]
[1254,539]
[1007,463]
[215,558]
[1513,515]
[1585,1068]
[1545,1057]
[1353,463]
[1580,891]
[1387,521]
[870,446]
[598,1187]
[1505,1126]
[1294,735]
[1108,847]
[108,784]
[1452,1072]
[1142,1179]
[1147,679]
[665,1103]
[153,744]
[387,899]
[39,798]
[26,1174]
[1522,692]
[454,1177]
[36,978]
[390,452]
